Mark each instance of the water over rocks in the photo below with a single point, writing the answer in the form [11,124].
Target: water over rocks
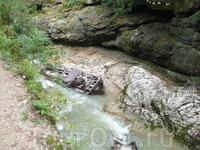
[167,36]
[143,95]
[74,78]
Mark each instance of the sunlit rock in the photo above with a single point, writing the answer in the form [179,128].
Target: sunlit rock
[112,108]
[161,103]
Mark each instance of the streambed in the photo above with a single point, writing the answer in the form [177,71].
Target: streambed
[93,126]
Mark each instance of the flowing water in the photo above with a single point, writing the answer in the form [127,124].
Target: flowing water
[94,127]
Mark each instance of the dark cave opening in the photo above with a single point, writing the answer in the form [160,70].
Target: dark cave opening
[166,15]
[39,7]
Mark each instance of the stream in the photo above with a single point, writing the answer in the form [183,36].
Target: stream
[95,128]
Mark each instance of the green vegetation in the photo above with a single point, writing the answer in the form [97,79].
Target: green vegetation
[59,16]
[197,16]
[119,6]
[19,36]
[37,121]
[26,115]
[26,69]
[57,144]
[125,6]
[69,3]
[23,46]
[31,45]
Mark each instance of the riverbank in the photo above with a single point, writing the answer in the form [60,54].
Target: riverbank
[153,96]
[18,124]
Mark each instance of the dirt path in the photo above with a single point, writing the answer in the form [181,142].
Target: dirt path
[16,134]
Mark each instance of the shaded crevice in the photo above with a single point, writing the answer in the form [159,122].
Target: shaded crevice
[63,42]
[165,15]
[39,7]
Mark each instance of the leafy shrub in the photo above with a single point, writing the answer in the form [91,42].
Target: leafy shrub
[32,46]
[119,6]
[35,87]
[124,6]
[42,105]
[22,44]
[15,13]
[59,16]
[69,3]
[197,16]
[19,37]
[27,70]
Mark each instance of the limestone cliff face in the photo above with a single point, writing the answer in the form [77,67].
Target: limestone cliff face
[166,35]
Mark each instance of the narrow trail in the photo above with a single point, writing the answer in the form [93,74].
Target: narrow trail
[16,133]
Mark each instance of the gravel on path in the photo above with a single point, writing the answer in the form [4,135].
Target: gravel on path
[16,133]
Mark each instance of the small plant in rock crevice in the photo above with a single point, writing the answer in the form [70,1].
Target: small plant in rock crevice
[37,121]
[59,16]
[69,3]
[26,115]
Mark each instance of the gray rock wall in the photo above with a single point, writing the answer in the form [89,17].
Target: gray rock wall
[166,35]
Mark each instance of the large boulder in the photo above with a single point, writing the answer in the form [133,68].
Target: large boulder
[161,103]
[90,25]
[154,43]
[187,30]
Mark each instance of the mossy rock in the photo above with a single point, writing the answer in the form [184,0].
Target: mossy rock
[58,147]
[51,140]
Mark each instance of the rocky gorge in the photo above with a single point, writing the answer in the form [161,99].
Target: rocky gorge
[168,36]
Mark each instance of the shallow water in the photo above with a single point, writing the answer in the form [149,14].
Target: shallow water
[94,127]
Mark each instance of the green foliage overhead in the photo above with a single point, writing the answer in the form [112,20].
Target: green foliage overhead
[124,6]
[15,13]
[19,36]
[119,6]
[69,3]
